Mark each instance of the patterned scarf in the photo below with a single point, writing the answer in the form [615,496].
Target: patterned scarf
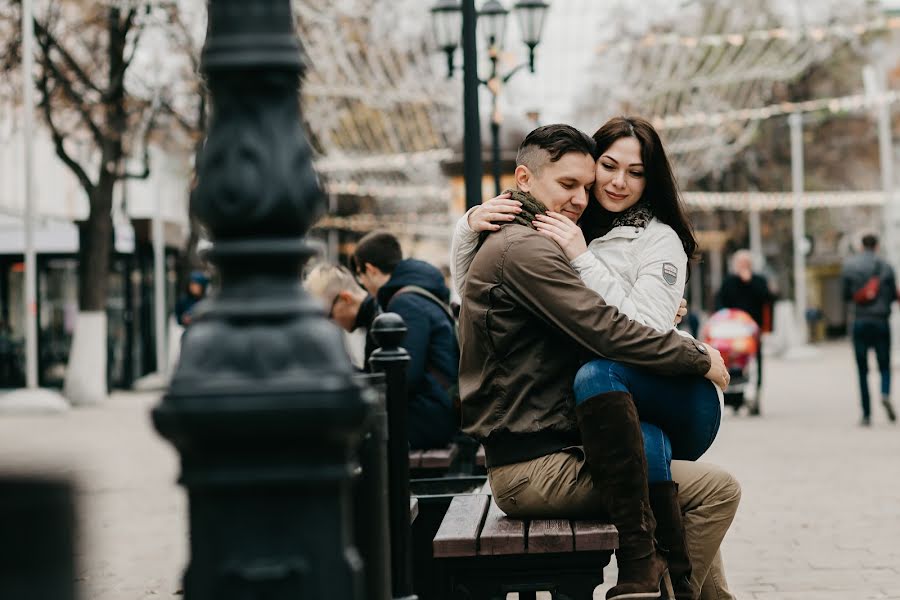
[531,207]
[638,215]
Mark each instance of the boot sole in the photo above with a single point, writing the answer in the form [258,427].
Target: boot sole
[665,592]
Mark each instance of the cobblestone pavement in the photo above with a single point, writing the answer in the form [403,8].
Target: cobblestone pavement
[819,519]
[820,511]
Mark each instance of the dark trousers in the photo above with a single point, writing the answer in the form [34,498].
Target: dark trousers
[759,365]
[872,334]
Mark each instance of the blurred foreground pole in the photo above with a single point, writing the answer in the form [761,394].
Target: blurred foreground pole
[30,299]
[37,540]
[800,244]
[392,360]
[262,407]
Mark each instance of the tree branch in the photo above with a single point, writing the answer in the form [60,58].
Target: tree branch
[78,101]
[117,78]
[151,122]
[70,62]
[59,138]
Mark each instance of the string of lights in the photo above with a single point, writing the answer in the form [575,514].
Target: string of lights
[815,33]
[389,191]
[408,225]
[381,162]
[745,201]
[836,104]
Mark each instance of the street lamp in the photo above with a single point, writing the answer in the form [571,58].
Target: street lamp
[492,17]
[446,16]
[263,407]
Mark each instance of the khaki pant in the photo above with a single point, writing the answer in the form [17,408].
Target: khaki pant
[559,486]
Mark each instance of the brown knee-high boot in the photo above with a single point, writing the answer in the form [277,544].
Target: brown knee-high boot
[614,449]
[670,535]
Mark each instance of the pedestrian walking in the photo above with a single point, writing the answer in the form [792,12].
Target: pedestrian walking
[870,287]
[750,292]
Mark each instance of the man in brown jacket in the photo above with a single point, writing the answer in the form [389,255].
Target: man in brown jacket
[526,325]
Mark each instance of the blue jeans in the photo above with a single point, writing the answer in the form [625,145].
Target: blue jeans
[680,415]
[872,334]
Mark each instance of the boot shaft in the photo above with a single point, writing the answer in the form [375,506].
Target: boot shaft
[614,449]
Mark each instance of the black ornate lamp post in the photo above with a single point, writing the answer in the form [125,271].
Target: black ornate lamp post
[492,16]
[262,407]
[448,16]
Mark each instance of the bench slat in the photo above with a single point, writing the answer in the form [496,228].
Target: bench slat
[458,534]
[413,509]
[439,458]
[550,535]
[595,535]
[415,458]
[500,534]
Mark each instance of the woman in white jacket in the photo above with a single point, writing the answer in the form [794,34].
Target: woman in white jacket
[637,260]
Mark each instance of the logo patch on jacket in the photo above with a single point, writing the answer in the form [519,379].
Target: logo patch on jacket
[670,273]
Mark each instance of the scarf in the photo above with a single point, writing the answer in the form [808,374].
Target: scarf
[531,207]
[638,215]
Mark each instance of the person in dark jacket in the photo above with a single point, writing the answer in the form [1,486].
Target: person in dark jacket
[196,290]
[748,291]
[871,327]
[416,291]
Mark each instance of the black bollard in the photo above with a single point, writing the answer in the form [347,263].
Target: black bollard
[263,407]
[372,500]
[37,540]
[392,360]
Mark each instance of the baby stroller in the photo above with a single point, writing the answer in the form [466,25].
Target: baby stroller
[735,334]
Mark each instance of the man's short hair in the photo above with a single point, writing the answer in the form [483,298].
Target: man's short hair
[380,249]
[549,143]
[325,281]
[870,241]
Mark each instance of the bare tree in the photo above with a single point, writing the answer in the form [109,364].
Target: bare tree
[101,116]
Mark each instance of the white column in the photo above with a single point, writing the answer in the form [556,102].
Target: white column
[874,80]
[755,239]
[886,154]
[716,268]
[796,124]
[333,241]
[159,282]
[31,366]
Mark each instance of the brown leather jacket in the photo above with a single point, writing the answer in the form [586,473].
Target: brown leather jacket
[527,324]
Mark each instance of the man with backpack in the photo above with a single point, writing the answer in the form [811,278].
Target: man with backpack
[869,285]
[416,291]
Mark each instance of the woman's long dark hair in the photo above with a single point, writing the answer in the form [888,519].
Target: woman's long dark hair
[660,187]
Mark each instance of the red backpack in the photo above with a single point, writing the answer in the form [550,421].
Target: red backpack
[869,291]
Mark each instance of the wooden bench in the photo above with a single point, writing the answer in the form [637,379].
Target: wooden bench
[413,509]
[484,554]
[432,463]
